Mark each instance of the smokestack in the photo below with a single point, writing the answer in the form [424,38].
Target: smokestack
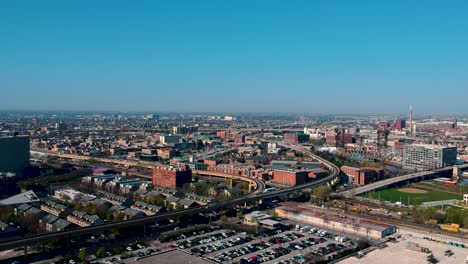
[411,119]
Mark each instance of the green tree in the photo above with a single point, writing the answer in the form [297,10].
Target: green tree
[224,218]
[110,218]
[118,250]
[159,201]
[321,192]
[100,252]
[115,231]
[120,216]
[240,215]
[10,217]
[178,206]
[83,256]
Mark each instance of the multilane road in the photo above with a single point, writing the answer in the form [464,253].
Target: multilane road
[252,197]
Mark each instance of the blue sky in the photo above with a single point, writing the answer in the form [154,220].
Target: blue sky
[268,56]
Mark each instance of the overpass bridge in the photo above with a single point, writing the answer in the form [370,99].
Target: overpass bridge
[41,238]
[419,176]
[251,197]
[253,183]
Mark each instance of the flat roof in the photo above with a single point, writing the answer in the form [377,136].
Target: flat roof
[269,222]
[25,197]
[428,146]
[308,211]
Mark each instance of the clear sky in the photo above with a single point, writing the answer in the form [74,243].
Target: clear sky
[268,56]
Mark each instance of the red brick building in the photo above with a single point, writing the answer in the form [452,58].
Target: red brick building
[400,124]
[364,175]
[228,136]
[165,153]
[222,134]
[237,138]
[384,126]
[211,163]
[170,177]
[317,173]
[339,138]
[290,177]
[296,138]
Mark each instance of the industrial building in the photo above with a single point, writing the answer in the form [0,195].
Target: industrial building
[177,130]
[171,177]
[339,138]
[170,139]
[296,138]
[400,124]
[14,154]
[335,222]
[428,157]
[290,176]
[364,175]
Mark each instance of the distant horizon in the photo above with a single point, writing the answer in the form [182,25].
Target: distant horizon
[146,112]
[240,56]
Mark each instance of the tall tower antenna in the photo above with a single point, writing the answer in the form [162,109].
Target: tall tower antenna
[411,119]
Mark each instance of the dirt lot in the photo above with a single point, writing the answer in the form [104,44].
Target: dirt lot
[411,190]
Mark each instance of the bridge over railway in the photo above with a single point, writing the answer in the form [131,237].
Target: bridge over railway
[418,176]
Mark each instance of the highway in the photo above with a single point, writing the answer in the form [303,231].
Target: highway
[383,183]
[255,196]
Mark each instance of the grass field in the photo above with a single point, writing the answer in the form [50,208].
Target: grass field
[394,195]
[457,188]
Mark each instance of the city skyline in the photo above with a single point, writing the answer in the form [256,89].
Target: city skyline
[359,57]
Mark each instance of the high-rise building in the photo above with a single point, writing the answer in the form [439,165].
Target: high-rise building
[428,157]
[384,125]
[292,138]
[14,153]
[339,138]
[171,177]
[454,124]
[400,124]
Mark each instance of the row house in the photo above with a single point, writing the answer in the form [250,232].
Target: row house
[54,208]
[28,211]
[203,200]
[52,223]
[117,199]
[146,208]
[83,219]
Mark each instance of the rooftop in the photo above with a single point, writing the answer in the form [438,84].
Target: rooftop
[428,146]
[25,197]
[309,211]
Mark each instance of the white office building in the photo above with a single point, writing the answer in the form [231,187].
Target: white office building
[428,157]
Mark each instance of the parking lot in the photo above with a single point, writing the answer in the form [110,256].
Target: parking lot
[217,245]
[293,246]
[274,246]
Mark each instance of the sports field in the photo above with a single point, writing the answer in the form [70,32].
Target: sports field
[412,195]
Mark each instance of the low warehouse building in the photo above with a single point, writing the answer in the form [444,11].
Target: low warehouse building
[336,222]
